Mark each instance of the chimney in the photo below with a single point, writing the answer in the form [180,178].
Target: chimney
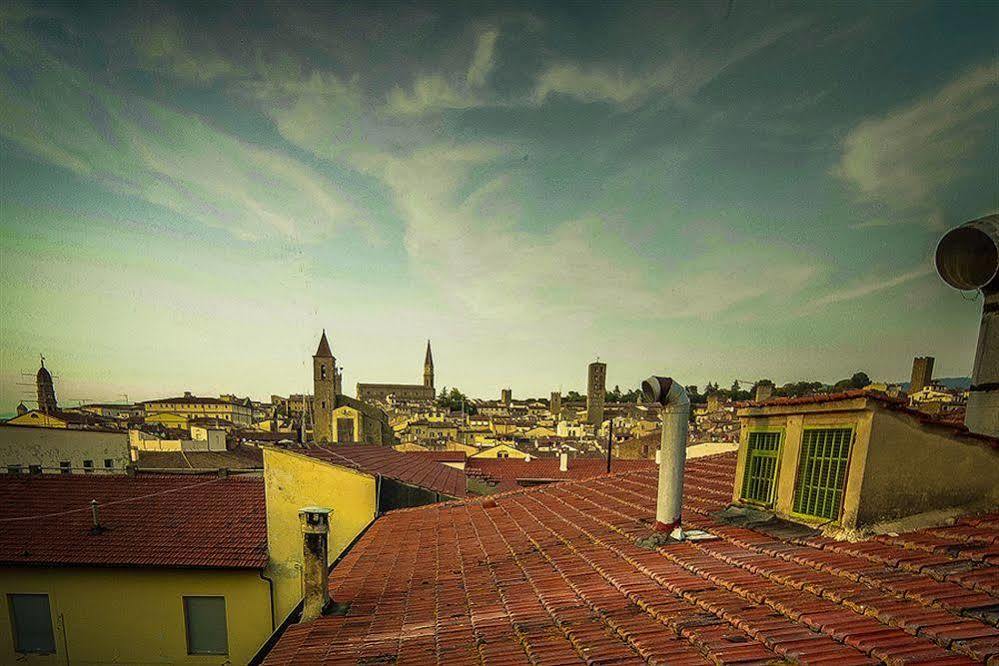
[967,258]
[315,522]
[563,461]
[659,456]
[673,447]
[763,391]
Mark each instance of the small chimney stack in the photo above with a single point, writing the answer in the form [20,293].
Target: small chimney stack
[563,461]
[659,456]
[315,522]
[673,446]
[763,391]
[95,514]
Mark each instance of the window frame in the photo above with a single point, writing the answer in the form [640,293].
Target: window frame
[65,466]
[18,649]
[782,436]
[807,517]
[187,623]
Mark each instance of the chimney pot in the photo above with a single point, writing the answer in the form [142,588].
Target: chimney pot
[563,461]
[315,522]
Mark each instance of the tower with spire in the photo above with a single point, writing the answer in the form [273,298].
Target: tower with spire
[428,368]
[45,390]
[324,390]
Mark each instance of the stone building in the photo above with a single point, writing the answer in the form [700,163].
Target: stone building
[922,373]
[596,388]
[381,392]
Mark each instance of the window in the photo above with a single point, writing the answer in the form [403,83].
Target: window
[88,466]
[108,463]
[65,467]
[13,469]
[34,469]
[206,626]
[31,622]
[822,467]
[762,456]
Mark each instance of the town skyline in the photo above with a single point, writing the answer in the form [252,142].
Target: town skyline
[716,191]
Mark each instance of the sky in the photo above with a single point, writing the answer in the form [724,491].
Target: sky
[190,193]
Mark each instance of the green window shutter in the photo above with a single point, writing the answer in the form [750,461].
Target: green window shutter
[206,625]
[759,482]
[825,454]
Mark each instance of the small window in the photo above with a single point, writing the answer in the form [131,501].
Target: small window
[31,621]
[206,625]
[65,467]
[13,469]
[822,469]
[762,456]
[88,466]
[108,463]
[34,469]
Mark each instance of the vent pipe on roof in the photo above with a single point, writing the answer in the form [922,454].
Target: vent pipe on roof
[563,461]
[967,258]
[673,450]
[315,522]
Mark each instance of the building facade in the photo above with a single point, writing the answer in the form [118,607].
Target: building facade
[181,410]
[368,392]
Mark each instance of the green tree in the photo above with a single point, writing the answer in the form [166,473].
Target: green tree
[454,401]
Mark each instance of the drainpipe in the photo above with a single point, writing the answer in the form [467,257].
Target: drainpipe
[967,258]
[673,450]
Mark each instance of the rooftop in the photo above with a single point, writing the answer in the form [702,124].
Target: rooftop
[505,472]
[163,521]
[386,461]
[241,457]
[552,574]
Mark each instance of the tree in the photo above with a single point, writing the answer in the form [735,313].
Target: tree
[574,396]
[454,401]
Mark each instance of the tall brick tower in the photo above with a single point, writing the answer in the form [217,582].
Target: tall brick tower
[428,368]
[922,373]
[556,403]
[324,385]
[596,387]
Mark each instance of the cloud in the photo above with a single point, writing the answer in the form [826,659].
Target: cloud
[139,148]
[870,285]
[906,157]
[484,59]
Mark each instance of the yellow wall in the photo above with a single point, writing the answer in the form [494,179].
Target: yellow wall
[50,446]
[168,419]
[38,419]
[500,451]
[134,615]
[293,481]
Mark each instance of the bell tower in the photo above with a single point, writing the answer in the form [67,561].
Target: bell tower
[428,368]
[324,389]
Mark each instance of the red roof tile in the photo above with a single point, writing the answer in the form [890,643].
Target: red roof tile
[403,467]
[552,575]
[441,456]
[506,472]
[163,521]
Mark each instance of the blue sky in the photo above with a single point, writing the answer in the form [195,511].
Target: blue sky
[717,191]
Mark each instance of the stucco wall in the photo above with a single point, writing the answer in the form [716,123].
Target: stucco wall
[913,469]
[48,446]
[293,481]
[135,616]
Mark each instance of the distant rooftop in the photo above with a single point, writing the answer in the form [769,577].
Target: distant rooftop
[386,461]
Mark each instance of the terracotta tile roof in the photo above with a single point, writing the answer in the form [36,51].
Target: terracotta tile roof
[163,521]
[403,467]
[505,472]
[894,404]
[552,575]
[441,456]
[242,457]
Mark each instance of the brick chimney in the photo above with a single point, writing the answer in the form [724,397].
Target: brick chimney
[315,568]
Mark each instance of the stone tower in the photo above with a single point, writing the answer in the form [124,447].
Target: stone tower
[555,405]
[922,373]
[506,397]
[428,368]
[596,387]
[324,389]
[45,391]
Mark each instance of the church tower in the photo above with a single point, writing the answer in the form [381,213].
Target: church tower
[428,368]
[45,391]
[324,386]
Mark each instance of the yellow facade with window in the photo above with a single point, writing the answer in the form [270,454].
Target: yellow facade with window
[134,615]
[857,462]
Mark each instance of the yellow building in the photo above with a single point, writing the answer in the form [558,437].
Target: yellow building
[190,406]
[54,419]
[854,459]
[57,450]
[499,451]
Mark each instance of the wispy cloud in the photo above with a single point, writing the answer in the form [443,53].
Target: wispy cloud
[906,157]
[867,287]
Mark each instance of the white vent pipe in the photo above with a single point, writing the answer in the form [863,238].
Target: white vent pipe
[673,450]
[563,461]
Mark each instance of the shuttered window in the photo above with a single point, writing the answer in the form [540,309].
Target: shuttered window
[825,454]
[760,479]
[206,625]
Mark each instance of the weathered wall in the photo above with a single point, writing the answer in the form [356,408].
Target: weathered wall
[913,469]
[135,615]
[48,446]
[293,481]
